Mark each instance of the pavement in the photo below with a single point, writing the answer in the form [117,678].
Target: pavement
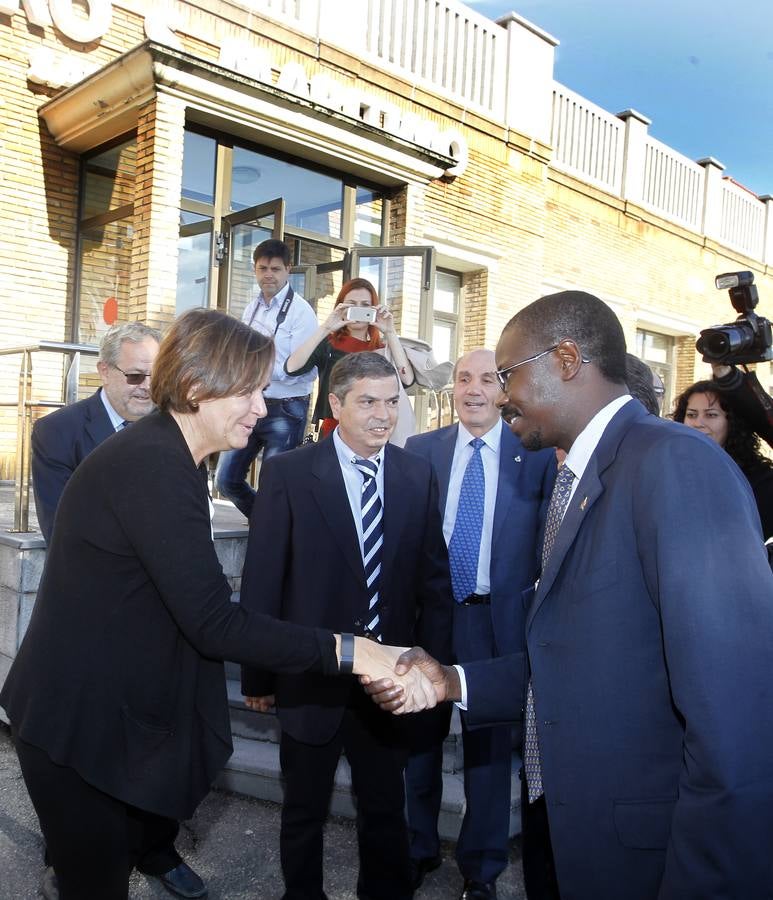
[232,842]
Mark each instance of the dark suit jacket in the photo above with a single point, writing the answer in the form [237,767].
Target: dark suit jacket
[120,675]
[651,648]
[523,492]
[303,565]
[60,443]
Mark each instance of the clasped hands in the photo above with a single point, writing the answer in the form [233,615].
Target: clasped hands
[402,681]
[399,680]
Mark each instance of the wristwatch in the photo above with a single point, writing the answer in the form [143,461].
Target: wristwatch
[346,665]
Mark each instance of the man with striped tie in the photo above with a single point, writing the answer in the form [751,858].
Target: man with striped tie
[346,534]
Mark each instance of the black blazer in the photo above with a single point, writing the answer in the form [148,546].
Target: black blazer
[304,565]
[60,443]
[120,675]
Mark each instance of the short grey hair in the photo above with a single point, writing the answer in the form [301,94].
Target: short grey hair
[113,338]
[356,366]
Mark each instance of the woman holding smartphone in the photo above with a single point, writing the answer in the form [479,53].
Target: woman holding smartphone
[358,322]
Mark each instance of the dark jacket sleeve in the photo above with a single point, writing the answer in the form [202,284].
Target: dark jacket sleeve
[749,401]
[53,462]
[268,551]
[435,597]
[319,356]
[167,518]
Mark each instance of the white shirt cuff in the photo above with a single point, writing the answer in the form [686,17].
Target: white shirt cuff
[462,704]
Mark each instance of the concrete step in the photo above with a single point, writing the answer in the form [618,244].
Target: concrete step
[254,769]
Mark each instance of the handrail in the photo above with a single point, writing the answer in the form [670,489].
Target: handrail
[24,406]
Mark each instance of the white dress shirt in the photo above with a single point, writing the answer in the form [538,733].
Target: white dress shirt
[577,460]
[489,454]
[353,479]
[298,326]
[115,420]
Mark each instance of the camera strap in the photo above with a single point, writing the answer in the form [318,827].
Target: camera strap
[283,309]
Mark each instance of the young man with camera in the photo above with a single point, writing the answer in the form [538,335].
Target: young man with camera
[280,313]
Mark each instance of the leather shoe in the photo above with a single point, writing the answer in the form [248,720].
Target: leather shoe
[422,866]
[183,881]
[49,888]
[479,890]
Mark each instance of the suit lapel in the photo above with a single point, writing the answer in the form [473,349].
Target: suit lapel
[588,491]
[329,491]
[442,458]
[97,424]
[397,502]
[510,469]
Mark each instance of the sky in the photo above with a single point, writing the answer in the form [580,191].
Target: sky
[702,72]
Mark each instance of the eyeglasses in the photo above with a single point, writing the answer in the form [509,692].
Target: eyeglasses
[133,377]
[504,374]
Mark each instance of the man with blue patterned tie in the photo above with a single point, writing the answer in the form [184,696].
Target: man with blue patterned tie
[649,638]
[493,496]
[356,542]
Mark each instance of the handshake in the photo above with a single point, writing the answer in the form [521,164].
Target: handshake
[399,680]
[402,681]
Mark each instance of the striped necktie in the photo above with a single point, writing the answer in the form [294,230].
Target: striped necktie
[372,539]
[559,500]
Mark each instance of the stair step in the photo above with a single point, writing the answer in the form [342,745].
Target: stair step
[254,769]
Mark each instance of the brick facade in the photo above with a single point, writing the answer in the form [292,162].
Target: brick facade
[531,229]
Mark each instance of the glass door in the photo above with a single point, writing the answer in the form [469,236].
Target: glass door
[404,278]
[241,234]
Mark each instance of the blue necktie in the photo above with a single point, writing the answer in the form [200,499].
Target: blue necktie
[372,539]
[559,500]
[464,546]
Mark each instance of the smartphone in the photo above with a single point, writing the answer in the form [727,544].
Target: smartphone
[361,314]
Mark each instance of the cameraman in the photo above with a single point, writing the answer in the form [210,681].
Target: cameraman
[747,397]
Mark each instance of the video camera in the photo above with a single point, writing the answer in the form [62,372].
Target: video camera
[747,340]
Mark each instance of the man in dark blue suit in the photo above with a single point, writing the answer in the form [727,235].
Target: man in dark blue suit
[489,575]
[63,439]
[649,716]
[60,443]
[346,533]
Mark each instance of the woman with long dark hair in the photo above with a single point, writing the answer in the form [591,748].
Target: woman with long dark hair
[704,407]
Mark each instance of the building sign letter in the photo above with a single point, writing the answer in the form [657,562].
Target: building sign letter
[82,30]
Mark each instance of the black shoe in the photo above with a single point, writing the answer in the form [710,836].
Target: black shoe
[479,890]
[422,867]
[49,887]
[184,882]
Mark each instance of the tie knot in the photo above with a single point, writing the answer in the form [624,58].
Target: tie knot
[565,475]
[367,467]
[477,443]
[125,424]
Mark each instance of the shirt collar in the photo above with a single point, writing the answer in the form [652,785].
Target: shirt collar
[491,438]
[116,420]
[277,298]
[587,440]
[346,454]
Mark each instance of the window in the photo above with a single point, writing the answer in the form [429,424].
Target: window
[657,350]
[445,315]
[105,232]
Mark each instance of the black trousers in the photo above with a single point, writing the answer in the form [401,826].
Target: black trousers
[377,758]
[93,840]
[539,870]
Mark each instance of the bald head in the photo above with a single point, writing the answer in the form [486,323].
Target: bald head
[476,391]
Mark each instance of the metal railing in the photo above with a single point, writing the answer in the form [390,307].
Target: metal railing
[24,405]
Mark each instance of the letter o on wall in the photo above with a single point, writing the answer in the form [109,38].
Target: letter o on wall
[453,144]
[84,31]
